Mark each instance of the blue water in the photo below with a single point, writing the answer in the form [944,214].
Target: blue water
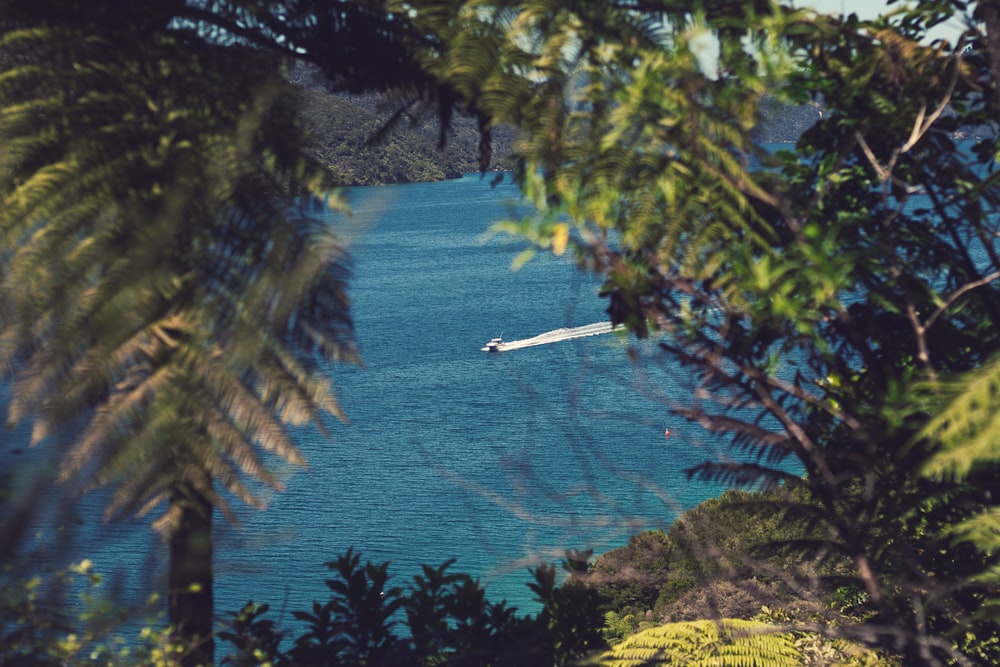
[497,460]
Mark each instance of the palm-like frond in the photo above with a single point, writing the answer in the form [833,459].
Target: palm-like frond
[726,643]
[159,280]
[803,292]
[968,426]
[966,436]
[735,643]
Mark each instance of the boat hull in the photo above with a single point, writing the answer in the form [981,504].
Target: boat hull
[493,345]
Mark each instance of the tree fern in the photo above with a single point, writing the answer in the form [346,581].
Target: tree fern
[160,287]
[733,643]
[966,434]
[968,425]
[728,643]
[804,291]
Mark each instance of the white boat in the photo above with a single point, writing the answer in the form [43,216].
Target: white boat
[493,345]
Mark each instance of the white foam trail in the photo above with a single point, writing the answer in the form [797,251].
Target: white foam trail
[559,335]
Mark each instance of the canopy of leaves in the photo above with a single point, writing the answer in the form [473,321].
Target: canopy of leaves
[155,279]
[729,643]
[812,295]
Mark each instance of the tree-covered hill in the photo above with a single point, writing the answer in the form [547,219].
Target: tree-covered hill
[342,127]
[781,123]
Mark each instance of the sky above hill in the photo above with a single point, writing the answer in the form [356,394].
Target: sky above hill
[868,9]
[865,9]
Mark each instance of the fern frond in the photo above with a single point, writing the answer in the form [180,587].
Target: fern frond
[983,530]
[158,290]
[968,427]
[726,643]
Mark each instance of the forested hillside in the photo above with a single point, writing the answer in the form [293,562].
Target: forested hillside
[344,128]
[346,139]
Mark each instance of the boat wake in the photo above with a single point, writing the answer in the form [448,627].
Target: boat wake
[556,336]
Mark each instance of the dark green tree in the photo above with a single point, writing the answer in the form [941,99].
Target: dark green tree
[166,302]
[819,296]
[441,618]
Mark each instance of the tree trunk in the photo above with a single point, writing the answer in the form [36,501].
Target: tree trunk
[190,600]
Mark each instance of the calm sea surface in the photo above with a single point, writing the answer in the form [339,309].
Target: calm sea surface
[496,460]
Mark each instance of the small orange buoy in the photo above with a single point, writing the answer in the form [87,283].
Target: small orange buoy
[666,433]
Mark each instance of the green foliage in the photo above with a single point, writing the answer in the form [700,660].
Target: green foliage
[448,617]
[812,294]
[341,131]
[64,617]
[570,618]
[630,578]
[167,313]
[443,617]
[355,625]
[166,303]
[729,643]
[965,431]
[734,643]
[727,557]
[734,534]
[617,627]
[966,427]
[255,638]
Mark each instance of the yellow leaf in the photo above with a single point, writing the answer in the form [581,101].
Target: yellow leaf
[560,238]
